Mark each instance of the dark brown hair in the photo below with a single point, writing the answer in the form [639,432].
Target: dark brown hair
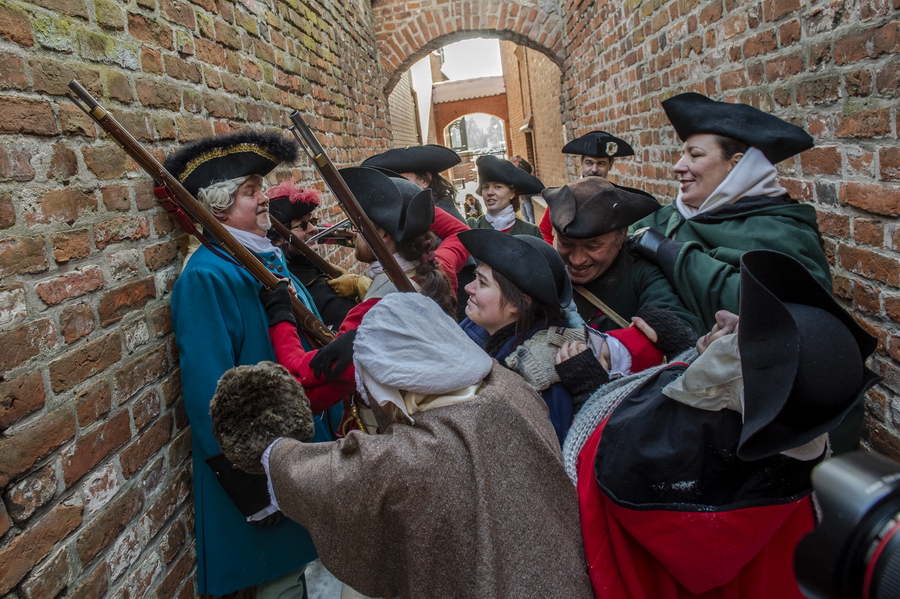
[531,312]
[440,186]
[431,280]
[730,146]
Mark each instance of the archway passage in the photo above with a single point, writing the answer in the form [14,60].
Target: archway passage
[405,36]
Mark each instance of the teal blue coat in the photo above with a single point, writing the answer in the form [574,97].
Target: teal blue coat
[219,323]
[707,269]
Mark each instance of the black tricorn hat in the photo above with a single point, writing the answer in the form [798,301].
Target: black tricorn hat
[531,264]
[692,113]
[430,158]
[802,356]
[400,207]
[289,201]
[491,168]
[598,144]
[593,206]
[213,159]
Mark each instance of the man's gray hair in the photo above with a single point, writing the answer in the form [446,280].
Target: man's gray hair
[219,196]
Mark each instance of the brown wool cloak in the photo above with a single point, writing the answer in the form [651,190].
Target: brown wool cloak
[471,501]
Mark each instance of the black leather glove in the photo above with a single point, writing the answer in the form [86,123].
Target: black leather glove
[335,357]
[277,303]
[651,245]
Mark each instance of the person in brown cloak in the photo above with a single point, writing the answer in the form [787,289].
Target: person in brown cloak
[439,504]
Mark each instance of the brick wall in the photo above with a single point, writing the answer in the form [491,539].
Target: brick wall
[831,67]
[404,114]
[94,442]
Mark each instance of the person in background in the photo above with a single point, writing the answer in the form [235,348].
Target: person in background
[597,151]
[463,493]
[219,324]
[526,202]
[293,206]
[472,207]
[500,183]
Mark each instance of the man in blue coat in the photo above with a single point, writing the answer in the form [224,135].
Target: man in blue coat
[220,323]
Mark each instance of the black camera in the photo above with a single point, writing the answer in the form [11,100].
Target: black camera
[854,553]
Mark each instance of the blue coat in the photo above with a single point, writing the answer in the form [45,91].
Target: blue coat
[220,323]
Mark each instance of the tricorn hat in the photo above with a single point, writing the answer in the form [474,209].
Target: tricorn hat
[593,206]
[692,113]
[430,158]
[598,144]
[491,168]
[802,356]
[531,264]
[213,159]
[288,201]
[400,207]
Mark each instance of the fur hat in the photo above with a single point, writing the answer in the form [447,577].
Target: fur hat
[212,159]
[598,144]
[429,158]
[288,202]
[253,406]
[400,207]
[692,113]
[593,206]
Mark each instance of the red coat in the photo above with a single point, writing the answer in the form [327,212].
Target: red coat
[671,554]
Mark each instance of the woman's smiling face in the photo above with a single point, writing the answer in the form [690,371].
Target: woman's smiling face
[487,307]
[701,168]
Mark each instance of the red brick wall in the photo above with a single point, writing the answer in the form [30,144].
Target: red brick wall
[94,442]
[403,113]
[447,112]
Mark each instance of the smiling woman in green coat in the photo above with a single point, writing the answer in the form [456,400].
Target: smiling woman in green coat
[729,202]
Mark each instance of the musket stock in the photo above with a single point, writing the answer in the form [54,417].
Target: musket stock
[348,202]
[183,201]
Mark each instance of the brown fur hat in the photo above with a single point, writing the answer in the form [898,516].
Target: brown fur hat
[253,406]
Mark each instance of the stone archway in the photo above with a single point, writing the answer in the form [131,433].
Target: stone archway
[405,36]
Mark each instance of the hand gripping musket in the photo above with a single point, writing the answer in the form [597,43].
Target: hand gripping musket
[349,203]
[179,203]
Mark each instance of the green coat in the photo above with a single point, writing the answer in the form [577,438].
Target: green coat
[628,284]
[520,227]
[706,273]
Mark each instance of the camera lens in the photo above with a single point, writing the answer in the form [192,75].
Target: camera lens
[855,552]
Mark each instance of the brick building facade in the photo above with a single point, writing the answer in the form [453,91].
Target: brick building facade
[93,438]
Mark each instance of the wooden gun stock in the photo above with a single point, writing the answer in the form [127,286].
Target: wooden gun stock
[183,199]
[349,203]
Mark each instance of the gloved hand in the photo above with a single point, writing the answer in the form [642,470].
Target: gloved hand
[277,303]
[335,357]
[645,243]
[673,335]
[349,284]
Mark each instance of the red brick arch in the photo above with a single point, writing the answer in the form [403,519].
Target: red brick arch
[405,36]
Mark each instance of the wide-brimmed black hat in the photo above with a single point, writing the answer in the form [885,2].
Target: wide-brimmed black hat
[693,113]
[430,158]
[598,144]
[593,206]
[531,264]
[400,207]
[213,159]
[491,168]
[288,201]
[802,356]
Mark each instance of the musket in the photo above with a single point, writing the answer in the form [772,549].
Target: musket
[331,271]
[179,202]
[335,231]
[348,202]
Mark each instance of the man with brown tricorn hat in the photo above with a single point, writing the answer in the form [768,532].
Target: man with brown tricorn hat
[590,218]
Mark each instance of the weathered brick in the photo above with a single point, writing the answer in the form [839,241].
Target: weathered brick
[172,541]
[13,308]
[93,402]
[889,159]
[93,447]
[52,76]
[84,362]
[107,161]
[864,123]
[151,441]
[120,229]
[76,322]
[116,198]
[118,302]
[145,409]
[139,372]
[27,496]
[25,342]
[820,90]
[29,548]
[151,31]
[15,25]
[884,441]
[878,199]
[49,579]
[22,255]
[21,451]
[173,495]
[858,83]
[868,232]
[93,586]
[70,285]
[180,572]
[179,13]
[70,245]
[145,573]
[870,264]
[60,205]
[821,160]
[26,116]
[151,63]
[161,254]
[7,211]
[16,167]
[775,9]
[892,307]
[106,525]
[20,397]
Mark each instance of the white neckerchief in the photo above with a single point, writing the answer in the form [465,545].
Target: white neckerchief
[753,175]
[252,241]
[503,219]
[376,268]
